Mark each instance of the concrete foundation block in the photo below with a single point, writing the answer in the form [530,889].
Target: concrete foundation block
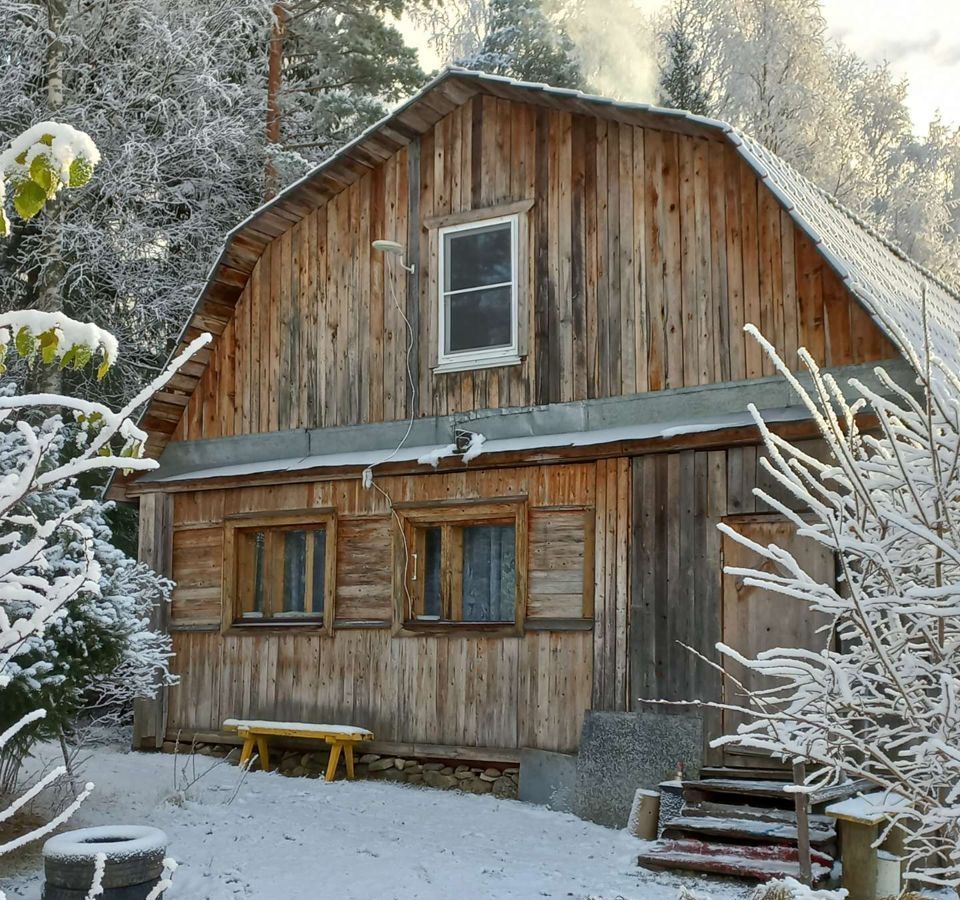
[620,752]
[548,779]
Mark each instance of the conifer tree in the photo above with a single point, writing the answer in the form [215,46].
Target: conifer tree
[524,42]
[682,81]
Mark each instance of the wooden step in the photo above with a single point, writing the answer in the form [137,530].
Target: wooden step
[767,789]
[757,863]
[762,813]
[739,829]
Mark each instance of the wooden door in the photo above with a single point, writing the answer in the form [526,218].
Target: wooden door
[756,620]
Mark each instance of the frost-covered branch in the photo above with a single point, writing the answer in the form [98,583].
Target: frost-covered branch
[880,698]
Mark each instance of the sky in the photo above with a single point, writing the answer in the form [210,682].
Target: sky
[920,39]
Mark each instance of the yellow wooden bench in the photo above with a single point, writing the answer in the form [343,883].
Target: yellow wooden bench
[256,732]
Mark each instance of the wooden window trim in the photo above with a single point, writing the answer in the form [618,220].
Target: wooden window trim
[278,522]
[523,276]
[472,216]
[451,517]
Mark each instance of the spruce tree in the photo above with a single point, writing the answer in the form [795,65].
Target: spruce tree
[682,75]
[523,42]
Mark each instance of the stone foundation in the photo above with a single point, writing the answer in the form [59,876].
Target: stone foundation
[477,778]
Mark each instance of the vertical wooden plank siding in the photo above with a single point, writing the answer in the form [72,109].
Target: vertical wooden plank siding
[458,689]
[155,548]
[676,566]
[648,251]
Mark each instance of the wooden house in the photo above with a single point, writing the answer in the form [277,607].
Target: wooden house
[569,278]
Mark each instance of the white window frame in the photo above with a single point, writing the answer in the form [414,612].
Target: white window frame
[487,357]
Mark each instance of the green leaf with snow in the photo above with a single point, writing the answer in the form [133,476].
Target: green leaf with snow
[24,342]
[29,198]
[48,346]
[44,173]
[103,368]
[81,171]
[83,356]
[68,358]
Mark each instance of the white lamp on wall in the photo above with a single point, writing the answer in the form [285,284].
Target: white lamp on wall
[395,249]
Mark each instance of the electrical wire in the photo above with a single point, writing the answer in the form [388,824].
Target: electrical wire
[367,474]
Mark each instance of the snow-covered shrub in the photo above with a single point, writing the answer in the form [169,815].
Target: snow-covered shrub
[881,699]
[101,655]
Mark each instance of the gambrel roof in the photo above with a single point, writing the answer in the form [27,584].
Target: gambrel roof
[883,278]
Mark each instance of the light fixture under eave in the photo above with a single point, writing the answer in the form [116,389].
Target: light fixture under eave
[395,249]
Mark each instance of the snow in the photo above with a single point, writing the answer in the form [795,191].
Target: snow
[70,333]
[869,807]
[475,447]
[434,456]
[800,891]
[114,841]
[265,836]
[306,727]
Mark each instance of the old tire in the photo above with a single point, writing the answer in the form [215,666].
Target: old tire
[134,862]
[132,892]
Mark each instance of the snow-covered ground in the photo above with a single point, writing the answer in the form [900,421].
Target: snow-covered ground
[274,838]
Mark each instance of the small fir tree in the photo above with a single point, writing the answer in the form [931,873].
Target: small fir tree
[523,42]
[682,80]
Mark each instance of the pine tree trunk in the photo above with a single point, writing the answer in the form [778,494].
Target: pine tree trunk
[48,379]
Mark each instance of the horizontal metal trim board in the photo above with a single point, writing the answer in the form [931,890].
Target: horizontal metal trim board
[663,414]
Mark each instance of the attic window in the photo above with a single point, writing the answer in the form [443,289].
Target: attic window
[478,308]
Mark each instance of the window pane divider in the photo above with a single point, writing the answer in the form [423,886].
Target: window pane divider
[479,287]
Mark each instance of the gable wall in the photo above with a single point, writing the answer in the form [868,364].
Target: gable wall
[648,252]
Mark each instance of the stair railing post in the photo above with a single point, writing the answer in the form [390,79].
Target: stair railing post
[802,807]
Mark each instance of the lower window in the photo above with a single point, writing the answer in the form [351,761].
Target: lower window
[462,565]
[281,571]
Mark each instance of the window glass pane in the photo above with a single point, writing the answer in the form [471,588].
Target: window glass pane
[479,319]
[431,574]
[319,570]
[294,570]
[477,257]
[489,573]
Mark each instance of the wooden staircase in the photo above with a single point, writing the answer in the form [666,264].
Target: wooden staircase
[746,828]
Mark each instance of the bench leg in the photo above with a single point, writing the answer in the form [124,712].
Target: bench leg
[264,753]
[334,759]
[348,755]
[247,751]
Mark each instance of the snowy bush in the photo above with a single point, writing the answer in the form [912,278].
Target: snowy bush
[87,667]
[880,701]
[52,550]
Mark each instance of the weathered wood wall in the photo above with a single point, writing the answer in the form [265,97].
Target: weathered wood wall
[677,568]
[456,689]
[649,250]
[155,549]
